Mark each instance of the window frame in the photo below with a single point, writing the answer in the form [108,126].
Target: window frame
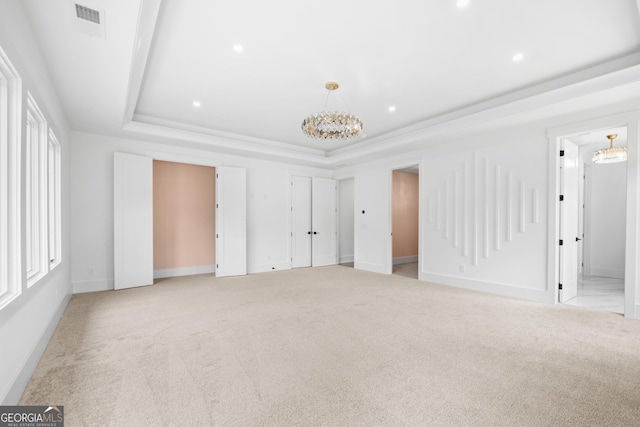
[36,218]
[54,211]
[10,170]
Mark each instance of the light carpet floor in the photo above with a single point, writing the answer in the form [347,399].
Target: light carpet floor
[408,269]
[338,347]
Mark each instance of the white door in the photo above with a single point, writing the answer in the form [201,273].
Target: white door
[323,220]
[132,220]
[300,221]
[569,211]
[231,221]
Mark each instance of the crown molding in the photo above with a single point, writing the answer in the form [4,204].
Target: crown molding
[599,78]
[147,19]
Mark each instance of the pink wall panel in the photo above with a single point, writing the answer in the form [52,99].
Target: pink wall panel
[183,215]
[405,214]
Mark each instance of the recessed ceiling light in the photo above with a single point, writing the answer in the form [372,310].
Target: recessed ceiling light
[462,3]
[238,48]
[392,108]
[518,57]
[196,104]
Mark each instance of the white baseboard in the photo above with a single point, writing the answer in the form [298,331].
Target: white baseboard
[607,272]
[346,258]
[405,260]
[31,362]
[185,271]
[374,268]
[536,295]
[263,268]
[93,286]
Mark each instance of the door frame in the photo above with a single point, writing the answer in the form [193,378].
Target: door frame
[420,209]
[586,221]
[632,245]
[568,189]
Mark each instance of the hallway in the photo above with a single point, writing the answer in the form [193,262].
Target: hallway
[600,293]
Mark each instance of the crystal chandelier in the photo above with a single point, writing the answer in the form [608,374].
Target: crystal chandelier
[332,124]
[611,154]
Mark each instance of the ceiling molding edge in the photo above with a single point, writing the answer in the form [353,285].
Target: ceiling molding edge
[222,144]
[147,19]
[223,135]
[619,72]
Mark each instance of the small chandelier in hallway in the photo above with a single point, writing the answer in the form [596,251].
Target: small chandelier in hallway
[611,154]
[332,124]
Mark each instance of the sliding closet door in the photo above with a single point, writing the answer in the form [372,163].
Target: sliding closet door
[300,221]
[231,221]
[324,214]
[133,220]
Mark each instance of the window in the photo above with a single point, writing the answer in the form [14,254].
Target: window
[36,193]
[55,223]
[10,109]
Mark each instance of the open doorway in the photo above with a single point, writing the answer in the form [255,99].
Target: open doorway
[405,218]
[600,222]
[184,219]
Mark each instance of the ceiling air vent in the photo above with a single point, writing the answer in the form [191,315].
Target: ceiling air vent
[87,14]
[88,20]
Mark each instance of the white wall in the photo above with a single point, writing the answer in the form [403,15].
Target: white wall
[463,192]
[345,219]
[268,204]
[607,205]
[510,248]
[28,322]
[484,224]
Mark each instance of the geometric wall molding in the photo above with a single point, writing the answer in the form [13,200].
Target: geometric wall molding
[480,207]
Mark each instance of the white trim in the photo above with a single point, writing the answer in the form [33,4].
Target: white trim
[264,268]
[405,260]
[632,247]
[10,187]
[607,272]
[20,380]
[346,258]
[147,19]
[184,271]
[200,160]
[36,218]
[97,285]
[421,211]
[374,268]
[630,119]
[54,193]
[600,78]
[507,290]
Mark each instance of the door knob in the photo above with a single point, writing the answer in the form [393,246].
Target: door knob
[578,239]
[315,232]
[308,232]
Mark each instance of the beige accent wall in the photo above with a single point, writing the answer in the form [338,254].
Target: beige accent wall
[405,214]
[183,215]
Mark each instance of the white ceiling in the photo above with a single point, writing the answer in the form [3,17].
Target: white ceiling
[433,61]
[599,137]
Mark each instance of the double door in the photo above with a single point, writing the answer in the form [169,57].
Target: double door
[313,222]
[133,221]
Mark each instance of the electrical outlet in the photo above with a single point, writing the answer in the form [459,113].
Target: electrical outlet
[463,268]
[90,271]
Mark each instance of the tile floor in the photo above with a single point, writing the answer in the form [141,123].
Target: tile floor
[600,293]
